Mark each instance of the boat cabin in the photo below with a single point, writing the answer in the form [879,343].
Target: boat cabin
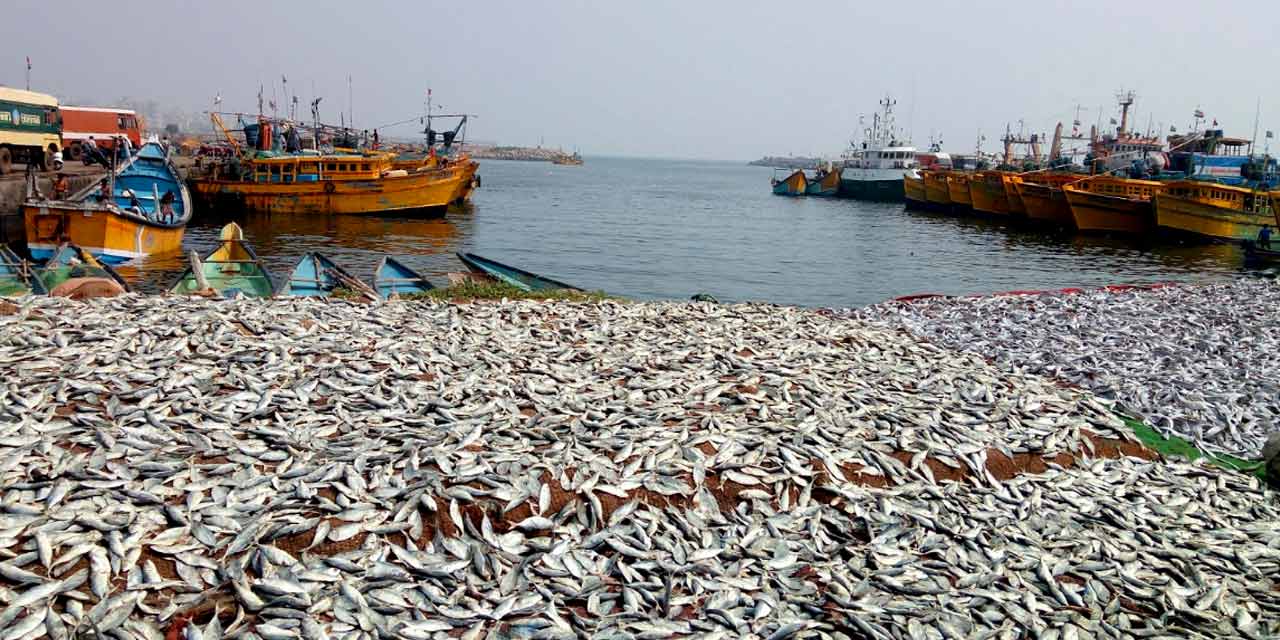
[314,168]
[887,158]
[1121,188]
[1222,196]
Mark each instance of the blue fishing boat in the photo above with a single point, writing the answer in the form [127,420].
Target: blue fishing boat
[392,278]
[795,184]
[317,275]
[71,267]
[518,278]
[141,209]
[17,277]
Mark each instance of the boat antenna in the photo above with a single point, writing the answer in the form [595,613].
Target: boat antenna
[1256,115]
[351,110]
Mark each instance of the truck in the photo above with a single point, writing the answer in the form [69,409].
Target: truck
[105,124]
[30,128]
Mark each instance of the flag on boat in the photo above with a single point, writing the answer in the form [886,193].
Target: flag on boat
[1113,121]
[28,63]
[1199,113]
[1215,122]
[1270,134]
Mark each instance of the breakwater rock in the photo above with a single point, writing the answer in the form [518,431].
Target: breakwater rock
[300,468]
[788,162]
[534,154]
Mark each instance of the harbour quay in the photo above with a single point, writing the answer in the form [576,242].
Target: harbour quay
[924,468]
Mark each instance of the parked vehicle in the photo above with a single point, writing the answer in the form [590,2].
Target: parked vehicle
[30,128]
[105,124]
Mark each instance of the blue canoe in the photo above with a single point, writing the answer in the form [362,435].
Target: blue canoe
[17,277]
[518,278]
[393,278]
[317,275]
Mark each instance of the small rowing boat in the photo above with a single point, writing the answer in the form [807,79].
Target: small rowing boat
[17,277]
[72,272]
[392,278]
[1255,257]
[518,278]
[232,268]
[317,275]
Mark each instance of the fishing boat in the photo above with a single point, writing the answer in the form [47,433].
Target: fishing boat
[72,270]
[913,188]
[341,182]
[1107,204]
[392,278]
[1255,257]
[146,214]
[874,168]
[1042,198]
[230,269]
[518,278]
[17,276]
[1213,211]
[826,182]
[987,190]
[936,191]
[958,189]
[1017,208]
[568,160]
[795,184]
[317,275]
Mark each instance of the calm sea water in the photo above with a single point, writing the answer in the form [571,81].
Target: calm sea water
[664,229]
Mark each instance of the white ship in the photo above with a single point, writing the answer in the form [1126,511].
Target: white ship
[873,169]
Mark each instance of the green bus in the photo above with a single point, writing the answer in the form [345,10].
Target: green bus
[30,128]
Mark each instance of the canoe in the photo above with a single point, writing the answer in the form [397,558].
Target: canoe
[17,276]
[232,268]
[317,275]
[795,184]
[518,278]
[71,267]
[131,224]
[1255,257]
[393,278]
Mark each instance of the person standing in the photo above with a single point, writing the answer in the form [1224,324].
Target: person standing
[1264,238]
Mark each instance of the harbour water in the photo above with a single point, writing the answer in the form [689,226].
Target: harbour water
[666,229]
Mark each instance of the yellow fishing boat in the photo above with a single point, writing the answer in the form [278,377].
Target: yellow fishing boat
[1110,204]
[987,191]
[913,189]
[1212,210]
[142,209]
[1042,198]
[936,191]
[331,184]
[958,189]
[1016,206]
[461,161]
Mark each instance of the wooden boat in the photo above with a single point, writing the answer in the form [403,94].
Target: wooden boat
[913,189]
[133,223]
[1042,198]
[958,189]
[17,276]
[461,161]
[232,268]
[1255,257]
[795,184]
[317,275]
[825,183]
[986,189]
[1110,204]
[71,269]
[1213,211]
[936,191]
[518,278]
[392,278]
[1016,207]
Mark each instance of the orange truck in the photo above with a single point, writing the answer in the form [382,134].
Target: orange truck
[103,123]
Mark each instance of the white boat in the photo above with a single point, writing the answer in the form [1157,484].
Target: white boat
[873,169]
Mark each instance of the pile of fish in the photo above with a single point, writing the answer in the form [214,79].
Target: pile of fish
[1194,361]
[309,469]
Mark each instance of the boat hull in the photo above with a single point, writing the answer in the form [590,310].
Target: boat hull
[913,191]
[958,191]
[1191,217]
[1016,206]
[826,185]
[794,184]
[875,190]
[518,278]
[427,193]
[988,194]
[1044,203]
[1097,213]
[936,191]
[111,236]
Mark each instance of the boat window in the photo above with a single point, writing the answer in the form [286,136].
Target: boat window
[364,166]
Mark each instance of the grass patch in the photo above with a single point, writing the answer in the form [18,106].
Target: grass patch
[472,290]
[1178,447]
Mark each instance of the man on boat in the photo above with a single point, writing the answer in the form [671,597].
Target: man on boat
[1264,238]
[61,186]
[166,207]
[104,190]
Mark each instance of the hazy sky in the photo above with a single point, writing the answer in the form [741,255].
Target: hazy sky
[699,79]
